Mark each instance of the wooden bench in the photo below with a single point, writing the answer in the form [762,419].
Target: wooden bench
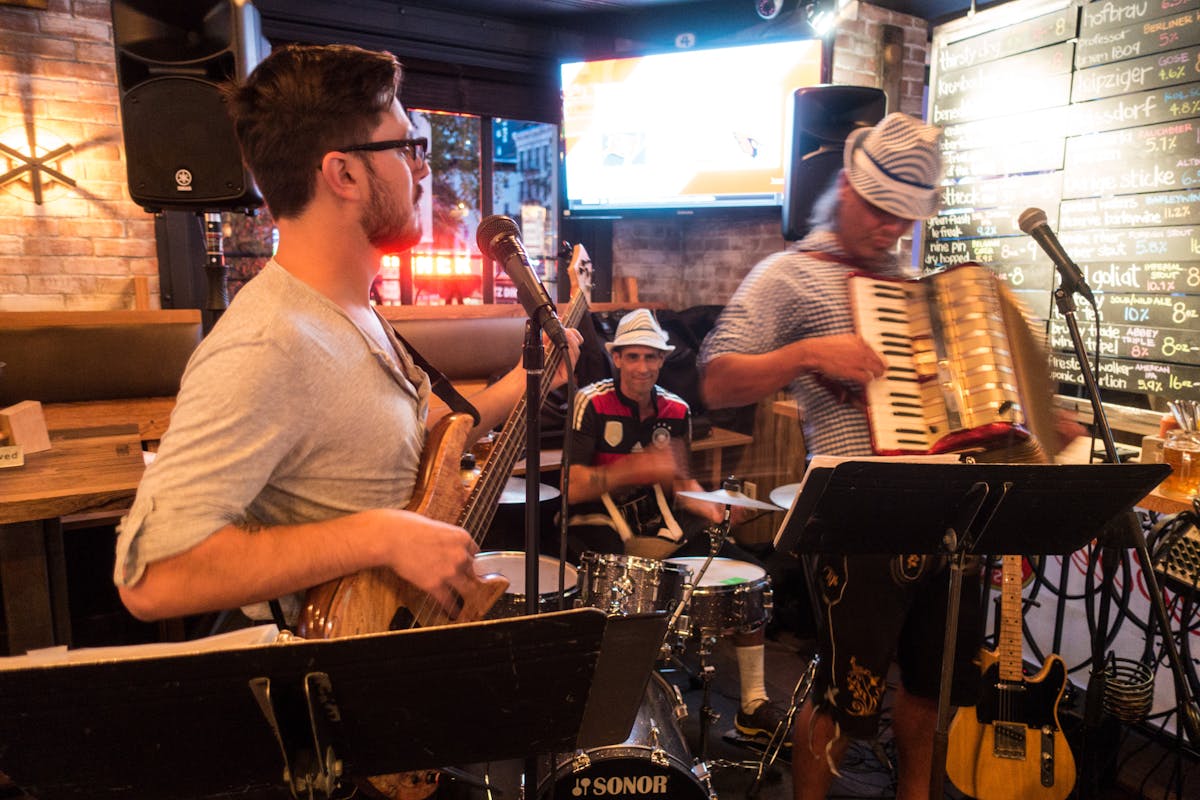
[91,368]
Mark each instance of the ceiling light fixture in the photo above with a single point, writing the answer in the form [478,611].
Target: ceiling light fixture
[821,15]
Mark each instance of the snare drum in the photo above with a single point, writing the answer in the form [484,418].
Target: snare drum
[653,762]
[511,564]
[630,585]
[732,596]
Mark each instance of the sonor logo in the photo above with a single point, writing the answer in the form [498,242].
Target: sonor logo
[620,785]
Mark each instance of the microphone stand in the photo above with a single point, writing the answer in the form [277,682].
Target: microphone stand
[1113,538]
[533,359]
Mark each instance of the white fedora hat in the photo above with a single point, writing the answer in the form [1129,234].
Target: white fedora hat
[640,328]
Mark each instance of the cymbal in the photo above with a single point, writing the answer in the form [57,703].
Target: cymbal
[727,498]
[514,491]
[785,495]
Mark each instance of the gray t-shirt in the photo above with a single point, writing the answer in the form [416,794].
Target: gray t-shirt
[287,413]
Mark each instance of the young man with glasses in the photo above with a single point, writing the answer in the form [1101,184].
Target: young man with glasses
[301,419]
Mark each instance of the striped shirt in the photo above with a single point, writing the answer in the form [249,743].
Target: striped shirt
[791,296]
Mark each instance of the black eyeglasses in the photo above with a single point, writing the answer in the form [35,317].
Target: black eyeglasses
[416,149]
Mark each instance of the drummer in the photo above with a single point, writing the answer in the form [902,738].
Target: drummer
[628,446]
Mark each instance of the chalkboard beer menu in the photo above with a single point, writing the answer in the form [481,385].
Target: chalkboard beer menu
[1091,112]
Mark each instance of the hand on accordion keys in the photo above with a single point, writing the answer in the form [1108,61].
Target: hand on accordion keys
[841,357]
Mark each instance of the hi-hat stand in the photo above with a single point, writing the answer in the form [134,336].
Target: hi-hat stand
[730,495]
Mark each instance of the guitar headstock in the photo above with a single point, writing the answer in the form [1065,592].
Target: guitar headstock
[579,272]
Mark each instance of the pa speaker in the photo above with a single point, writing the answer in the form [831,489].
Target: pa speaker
[180,147]
[822,117]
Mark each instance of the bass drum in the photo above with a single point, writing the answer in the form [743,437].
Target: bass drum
[653,762]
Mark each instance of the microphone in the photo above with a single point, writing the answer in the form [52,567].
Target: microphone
[1033,222]
[500,240]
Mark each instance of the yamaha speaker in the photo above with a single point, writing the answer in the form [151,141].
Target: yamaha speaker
[180,148]
[822,117]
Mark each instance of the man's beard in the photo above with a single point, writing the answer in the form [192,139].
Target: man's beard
[382,222]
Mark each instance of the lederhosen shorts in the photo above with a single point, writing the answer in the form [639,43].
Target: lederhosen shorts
[880,609]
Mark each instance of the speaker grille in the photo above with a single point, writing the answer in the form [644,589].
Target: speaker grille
[180,146]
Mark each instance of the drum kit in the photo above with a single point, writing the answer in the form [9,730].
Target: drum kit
[708,597]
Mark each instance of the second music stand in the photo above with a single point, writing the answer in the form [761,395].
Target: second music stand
[958,510]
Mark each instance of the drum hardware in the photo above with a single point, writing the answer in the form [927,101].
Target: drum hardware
[779,735]
[681,626]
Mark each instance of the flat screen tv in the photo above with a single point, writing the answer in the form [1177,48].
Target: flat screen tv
[682,131]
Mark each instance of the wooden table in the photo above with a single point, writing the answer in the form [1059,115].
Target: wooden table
[713,446]
[86,470]
[1164,503]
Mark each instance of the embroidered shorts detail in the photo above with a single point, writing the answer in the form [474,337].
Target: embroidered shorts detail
[880,609]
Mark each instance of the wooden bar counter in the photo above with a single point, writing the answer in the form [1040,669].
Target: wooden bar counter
[86,470]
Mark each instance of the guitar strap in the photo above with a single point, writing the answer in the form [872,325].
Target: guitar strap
[439,383]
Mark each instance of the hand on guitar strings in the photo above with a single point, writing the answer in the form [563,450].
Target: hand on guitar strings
[435,557]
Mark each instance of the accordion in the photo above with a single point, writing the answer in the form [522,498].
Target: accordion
[964,372]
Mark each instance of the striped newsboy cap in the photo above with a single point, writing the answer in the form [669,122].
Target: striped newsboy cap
[895,165]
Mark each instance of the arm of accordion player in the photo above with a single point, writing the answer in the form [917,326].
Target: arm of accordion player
[740,378]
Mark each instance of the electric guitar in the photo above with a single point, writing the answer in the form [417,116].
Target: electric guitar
[1010,746]
[368,601]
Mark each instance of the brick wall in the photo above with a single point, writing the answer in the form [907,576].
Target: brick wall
[82,247]
[856,53]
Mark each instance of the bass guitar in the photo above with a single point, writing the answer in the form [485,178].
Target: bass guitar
[1010,746]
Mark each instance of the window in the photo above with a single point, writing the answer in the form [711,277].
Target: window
[520,166]
[525,187]
[512,162]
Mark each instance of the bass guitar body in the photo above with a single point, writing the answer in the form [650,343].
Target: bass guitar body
[368,601]
[1010,746]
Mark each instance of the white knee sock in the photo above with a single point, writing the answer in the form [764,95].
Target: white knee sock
[750,671]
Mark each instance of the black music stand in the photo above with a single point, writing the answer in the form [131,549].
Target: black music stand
[890,507]
[295,719]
